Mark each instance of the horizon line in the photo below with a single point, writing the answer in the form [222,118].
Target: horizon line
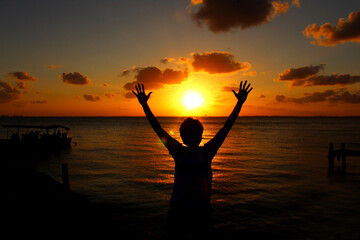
[134,116]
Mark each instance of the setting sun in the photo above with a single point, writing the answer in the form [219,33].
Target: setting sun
[192,100]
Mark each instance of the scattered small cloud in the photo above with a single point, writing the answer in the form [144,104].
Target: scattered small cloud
[21,79]
[124,73]
[8,92]
[75,78]
[329,35]
[111,95]
[250,73]
[55,66]
[279,8]
[167,60]
[296,3]
[225,15]
[22,76]
[91,98]
[184,60]
[217,63]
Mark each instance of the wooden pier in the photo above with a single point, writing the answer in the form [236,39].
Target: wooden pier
[340,155]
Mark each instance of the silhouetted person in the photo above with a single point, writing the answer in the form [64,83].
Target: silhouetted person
[189,213]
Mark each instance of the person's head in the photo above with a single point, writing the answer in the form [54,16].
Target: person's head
[191,131]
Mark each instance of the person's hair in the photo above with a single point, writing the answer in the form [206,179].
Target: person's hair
[191,131]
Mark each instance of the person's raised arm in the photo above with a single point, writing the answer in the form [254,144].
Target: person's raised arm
[170,143]
[215,143]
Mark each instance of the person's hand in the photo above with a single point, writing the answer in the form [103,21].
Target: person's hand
[141,96]
[243,92]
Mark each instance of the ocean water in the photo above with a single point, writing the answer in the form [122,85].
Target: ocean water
[270,177]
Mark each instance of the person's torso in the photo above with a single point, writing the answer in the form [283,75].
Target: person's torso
[193,177]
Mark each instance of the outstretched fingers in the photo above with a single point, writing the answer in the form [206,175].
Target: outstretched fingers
[247,88]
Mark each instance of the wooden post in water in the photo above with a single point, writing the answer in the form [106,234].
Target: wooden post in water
[65,176]
[331,156]
[343,157]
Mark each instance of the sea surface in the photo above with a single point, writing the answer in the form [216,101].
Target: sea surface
[270,177]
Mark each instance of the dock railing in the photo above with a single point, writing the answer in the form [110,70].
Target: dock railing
[340,155]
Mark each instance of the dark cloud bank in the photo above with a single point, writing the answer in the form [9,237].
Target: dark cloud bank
[308,76]
[224,15]
[217,63]
[331,96]
[155,78]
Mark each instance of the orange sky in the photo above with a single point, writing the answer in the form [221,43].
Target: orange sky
[300,57]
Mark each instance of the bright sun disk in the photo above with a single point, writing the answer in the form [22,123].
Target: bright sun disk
[192,100]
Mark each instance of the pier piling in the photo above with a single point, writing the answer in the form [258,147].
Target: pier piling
[65,176]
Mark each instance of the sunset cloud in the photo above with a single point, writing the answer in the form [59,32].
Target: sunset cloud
[217,63]
[75,78]
[300,73]
[222,16]
[124,73]
[279,8]
[229,89]
[111,94]
[334,79]
[129,95]
[166,60]
[8,92]
[329,35]
[21,84]
[331,96]
[22,76]
[345,97]
[296,3]
[55,66]
[154,78]
[307,76]
[91,98]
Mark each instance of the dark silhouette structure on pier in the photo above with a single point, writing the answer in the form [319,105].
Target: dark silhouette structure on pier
[340,155]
